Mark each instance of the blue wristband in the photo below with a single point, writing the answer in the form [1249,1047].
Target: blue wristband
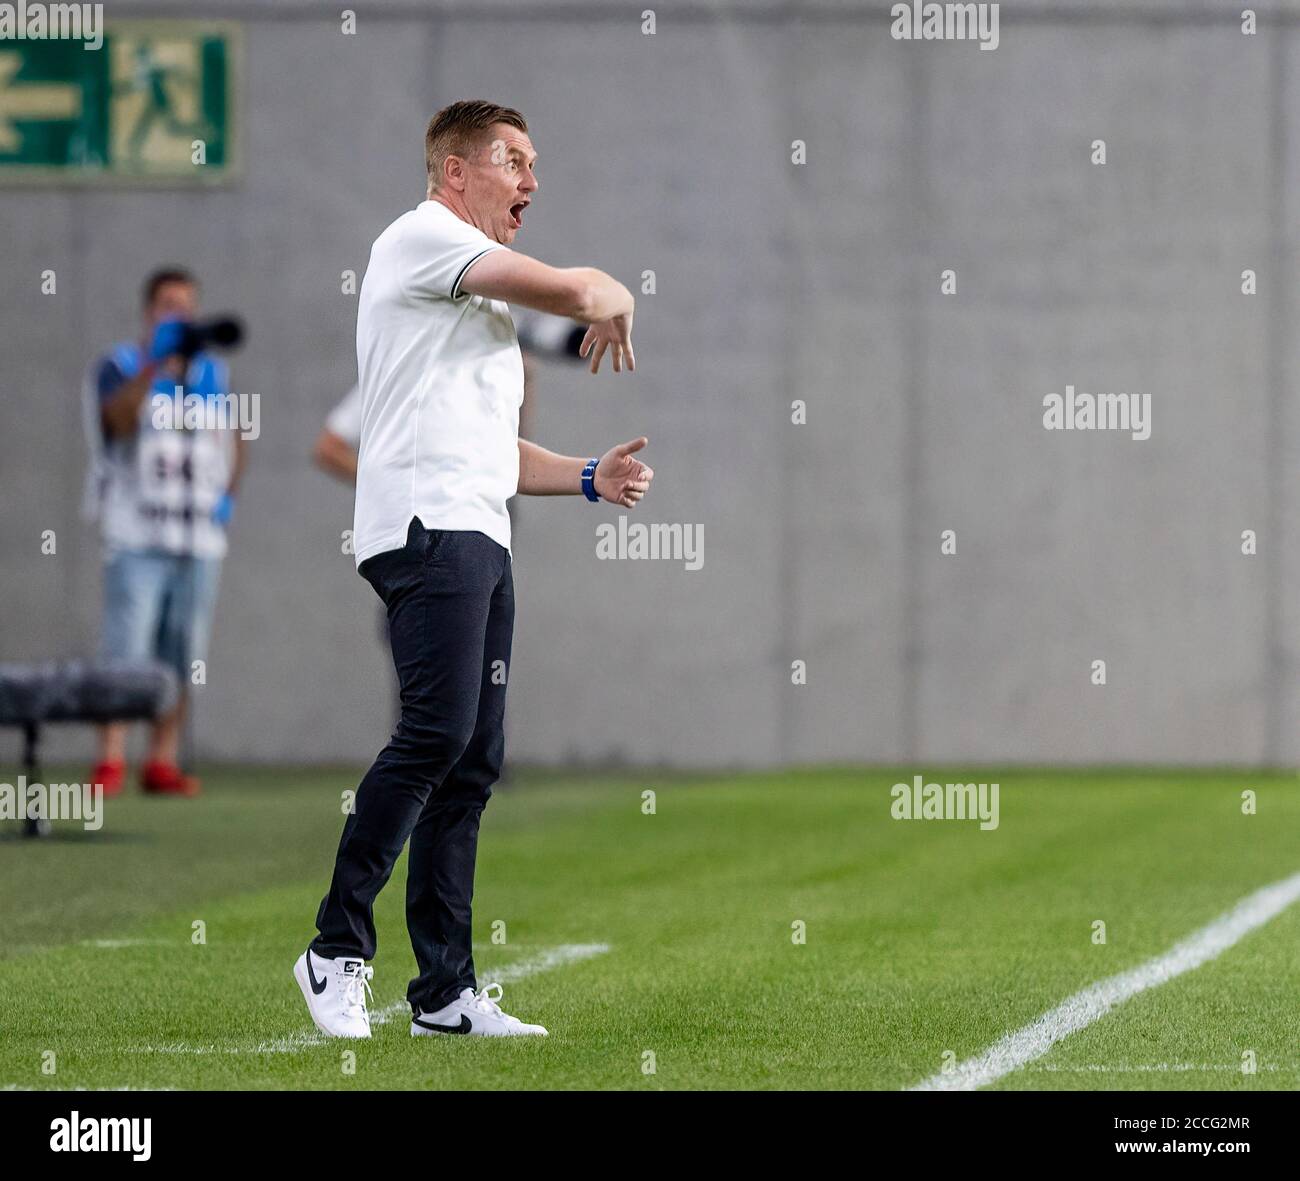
[589,480]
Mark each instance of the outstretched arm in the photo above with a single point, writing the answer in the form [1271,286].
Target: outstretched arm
[581,293]
[619,477]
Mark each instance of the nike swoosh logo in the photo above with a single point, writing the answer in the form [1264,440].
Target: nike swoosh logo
[464,1027]
[317,986]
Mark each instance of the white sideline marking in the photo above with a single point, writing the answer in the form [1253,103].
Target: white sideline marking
[22,1087]
[543,961]
[1083,1008]
[118,944]
[1163,1068]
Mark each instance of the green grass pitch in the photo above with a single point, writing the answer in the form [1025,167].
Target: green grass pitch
[921,937]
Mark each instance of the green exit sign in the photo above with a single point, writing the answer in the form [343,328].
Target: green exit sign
[154,103]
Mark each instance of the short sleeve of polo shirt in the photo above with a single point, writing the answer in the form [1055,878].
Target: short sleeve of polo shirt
[437,248]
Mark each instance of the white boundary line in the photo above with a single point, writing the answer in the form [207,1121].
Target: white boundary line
[1092,1003]
[542,961]
[119,944]
[65,1090]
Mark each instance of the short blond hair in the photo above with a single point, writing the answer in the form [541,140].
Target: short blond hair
[458,130]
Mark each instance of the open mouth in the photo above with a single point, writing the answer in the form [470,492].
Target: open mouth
[517,213]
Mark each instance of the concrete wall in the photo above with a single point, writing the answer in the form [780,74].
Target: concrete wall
[775,282]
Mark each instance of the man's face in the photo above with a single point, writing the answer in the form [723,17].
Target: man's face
[500,182]
[173,301]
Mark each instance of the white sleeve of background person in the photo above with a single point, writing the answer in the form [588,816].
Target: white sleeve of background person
[345,419]
[441,384]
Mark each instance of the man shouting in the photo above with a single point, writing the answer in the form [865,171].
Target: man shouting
[440,454]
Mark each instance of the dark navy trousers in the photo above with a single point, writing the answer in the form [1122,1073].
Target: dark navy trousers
[451,608]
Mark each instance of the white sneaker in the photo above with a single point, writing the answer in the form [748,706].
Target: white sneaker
[335,991]
[473,1013]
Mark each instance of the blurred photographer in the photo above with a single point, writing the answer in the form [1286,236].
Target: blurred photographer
[164,496]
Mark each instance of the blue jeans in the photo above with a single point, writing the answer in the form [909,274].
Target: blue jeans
[451,610]
[158,606]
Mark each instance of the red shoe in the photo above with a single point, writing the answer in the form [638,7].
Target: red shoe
[165,779]
[108,777]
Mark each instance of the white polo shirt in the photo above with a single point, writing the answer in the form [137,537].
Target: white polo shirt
[441,385]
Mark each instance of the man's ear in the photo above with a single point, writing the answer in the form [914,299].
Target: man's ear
[453,173]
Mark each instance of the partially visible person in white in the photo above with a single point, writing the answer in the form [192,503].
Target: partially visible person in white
[336,446]
[440,455]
